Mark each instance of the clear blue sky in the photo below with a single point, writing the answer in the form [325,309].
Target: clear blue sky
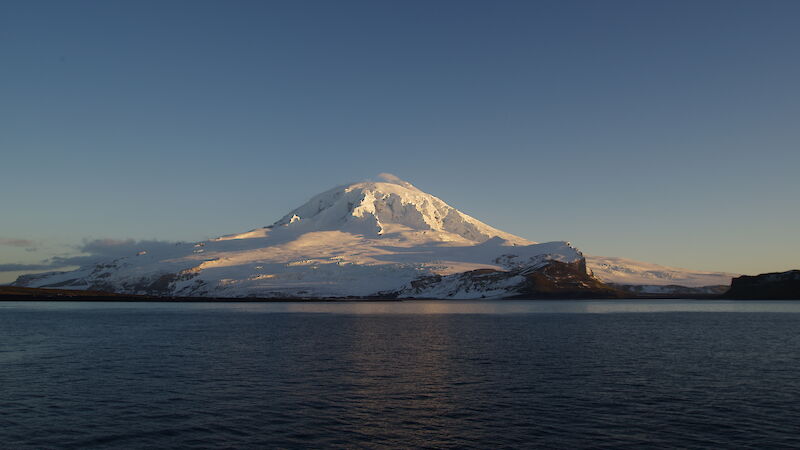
[664,131]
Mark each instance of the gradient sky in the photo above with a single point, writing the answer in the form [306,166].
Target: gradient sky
[664,131]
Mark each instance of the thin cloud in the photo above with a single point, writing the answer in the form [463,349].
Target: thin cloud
[17,242]
[118,248]
[21,267]
[95,251]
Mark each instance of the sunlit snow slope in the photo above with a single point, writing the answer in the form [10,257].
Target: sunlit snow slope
[624,271]
[353,240]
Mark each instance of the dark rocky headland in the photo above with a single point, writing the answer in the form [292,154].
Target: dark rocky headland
[767,286]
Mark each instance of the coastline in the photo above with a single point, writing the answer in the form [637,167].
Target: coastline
[17,294]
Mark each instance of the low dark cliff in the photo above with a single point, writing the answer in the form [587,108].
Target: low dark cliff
[767,286]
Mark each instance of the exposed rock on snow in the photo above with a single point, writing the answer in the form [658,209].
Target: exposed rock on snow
[669,290]
[551,280]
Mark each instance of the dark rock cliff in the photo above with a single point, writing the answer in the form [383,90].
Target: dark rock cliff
[767,286]
[564,280]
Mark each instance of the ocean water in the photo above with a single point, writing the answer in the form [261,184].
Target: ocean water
[566,374]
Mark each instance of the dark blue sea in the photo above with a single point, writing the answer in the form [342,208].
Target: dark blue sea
[566,374]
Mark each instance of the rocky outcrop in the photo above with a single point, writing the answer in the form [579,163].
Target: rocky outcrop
[564,280]
[767,286]
[550,281]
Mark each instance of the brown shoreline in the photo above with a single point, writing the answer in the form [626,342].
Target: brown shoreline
[17,294]
[13,293]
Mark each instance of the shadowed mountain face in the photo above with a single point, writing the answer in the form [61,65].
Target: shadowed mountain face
[362,239]
[772,286]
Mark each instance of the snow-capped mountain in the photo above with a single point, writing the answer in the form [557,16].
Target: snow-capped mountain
[371,238]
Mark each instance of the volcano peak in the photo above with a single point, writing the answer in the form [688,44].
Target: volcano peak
[390,205]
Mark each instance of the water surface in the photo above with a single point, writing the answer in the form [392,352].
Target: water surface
[387,374]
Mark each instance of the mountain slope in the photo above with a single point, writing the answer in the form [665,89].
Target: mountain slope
[652,277]
[353,240]
[361,239]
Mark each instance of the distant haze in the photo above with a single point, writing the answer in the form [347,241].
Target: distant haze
[660,131]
